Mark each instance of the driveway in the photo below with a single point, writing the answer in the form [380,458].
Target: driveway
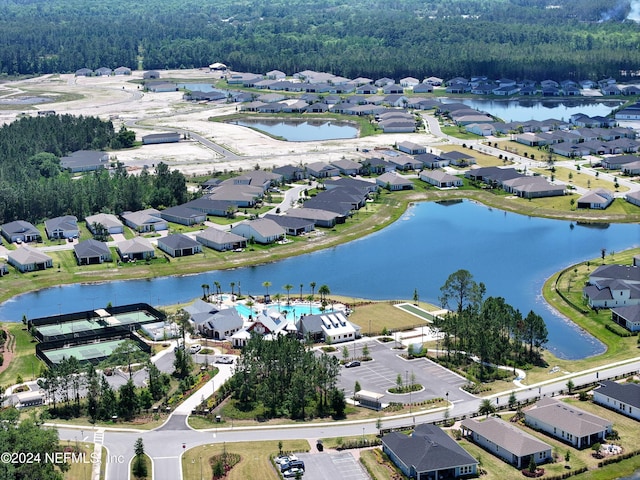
[342,465]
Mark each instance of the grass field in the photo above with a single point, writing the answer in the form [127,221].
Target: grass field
[375,317]
[255,463]
[579,179]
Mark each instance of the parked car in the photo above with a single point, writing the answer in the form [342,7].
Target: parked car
[285,459]
[352,364]
[195,348]
[293,473]
[292,464]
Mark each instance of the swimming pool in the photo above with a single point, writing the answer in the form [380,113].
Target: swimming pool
[296,310]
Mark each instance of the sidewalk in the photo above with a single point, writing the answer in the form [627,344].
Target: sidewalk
[185,408]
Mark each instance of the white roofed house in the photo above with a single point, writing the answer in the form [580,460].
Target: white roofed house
[262,230]
[109,221]
[332,327]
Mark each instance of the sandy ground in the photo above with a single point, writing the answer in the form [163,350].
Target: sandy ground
[122,100]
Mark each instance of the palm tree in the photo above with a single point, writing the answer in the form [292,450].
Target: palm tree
[266,285]
[277,297]
[205,287]
[250,304]
[218,289]
[301,285]
[288,288]
[324,291]
[313,288]
[310,299]
[486,407]
[233,285]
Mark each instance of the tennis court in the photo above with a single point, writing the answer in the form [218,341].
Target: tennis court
[59,330]
[91,352]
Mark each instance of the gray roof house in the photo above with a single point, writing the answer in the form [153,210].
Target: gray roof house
[613,286]
[507,441]
[212,322]
[292,225]
[331,326]
[347,167]
[628,317]
[393,181]
[85,161]
[411,148]
[567,423]
[623,398]
[183,215]
[29,259]
[107,220]
[322,170]
[429,453]
[261,230]
[148,220]
[138,248]
[209,206]
[596,199]
[20,230]
[440,178]
[91,252]
[179,245]
[62,227]
[319,217]
[165,137]
[220,240]
[240,195]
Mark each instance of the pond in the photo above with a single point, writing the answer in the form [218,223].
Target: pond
[302,130]
[511,254]
[522,110]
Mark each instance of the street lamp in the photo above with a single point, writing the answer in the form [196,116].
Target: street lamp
[447,395]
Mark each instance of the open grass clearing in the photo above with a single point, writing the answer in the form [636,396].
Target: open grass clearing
[579,178]
[255,459]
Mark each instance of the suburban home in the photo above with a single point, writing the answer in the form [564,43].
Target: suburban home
[440,179]
[347,167]
[623,398]
[240,195]
[322,170]
[393,182]
[529,186]
[122,71]
[482,129]
[107,220]
[209,206]
[292,225]
[633,197]
[507,441]
[429,160]
[290,173]
[628,317]
[459,159]
[255,178]
[376,165]
[613,286]
[84,72]
[619,161]
[213,322]
[20,231]
[179,245]
[85,161]
[261,230]
[166,137]
[429,453]
[138,248]
[91,252]
[411,148]
[597,199]
[29,259]
[403,162]
[151,75]
[331,327]
[143,221]
[183,215]
[220,240]
[319,217]
[62,227]
[567,423]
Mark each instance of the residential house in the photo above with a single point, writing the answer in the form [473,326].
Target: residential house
[220,240]
[440,179]
[459,159]
[213,322]
[429,160]
[633,197]
[528,186]
[482,129]
[428,453]
[393,181]
[567,423]
[122,71]
[322,170]
[138,248]
[242,196]
[20,231]
[411,148]
[435,81]
[84,72]
[623,398]
[613,286]
[109,221]
[331,327]
[143,221]
[261,230]
[319,217]
[409,82]
[376,165]
[403,162]
[618,162]
[179,245]
[507,441]
[29,259]
[219,208]
[151,75]
[290,173]
[628,317]
[423,88]
[347,167]
[183,215]
[163,87]
[85,161]
[103,72]
[92,252]
[166,137]
[292,225]
[596,199]
[62,227]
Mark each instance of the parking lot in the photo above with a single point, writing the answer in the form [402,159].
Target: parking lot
[335,465]
[382,372]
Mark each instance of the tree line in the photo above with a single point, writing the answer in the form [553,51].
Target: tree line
[34,186]
[287,378]
[487,328]
[498,38]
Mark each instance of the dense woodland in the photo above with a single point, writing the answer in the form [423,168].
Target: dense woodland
[499,38]
[33,186]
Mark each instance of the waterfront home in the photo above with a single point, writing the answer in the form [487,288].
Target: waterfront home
[567,423]
[109,221]
[507,441]
[29,259]
[428,453]
[628,317]
[529,186]
[62,227]
[261,230]
[596,199]
[613,286]
[220,240]
[138,248]
[623,398]
[393,181]
[440,178]
[292,225]
[320,218]
[91,252]
[179,245]
[20,231]
[213,322]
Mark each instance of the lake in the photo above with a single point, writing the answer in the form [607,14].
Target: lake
[512,254]
[302,130]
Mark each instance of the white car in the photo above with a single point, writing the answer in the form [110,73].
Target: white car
[195,348]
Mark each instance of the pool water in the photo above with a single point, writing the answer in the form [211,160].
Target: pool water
[296,310]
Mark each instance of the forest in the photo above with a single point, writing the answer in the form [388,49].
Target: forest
[34,187]
[574,39]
